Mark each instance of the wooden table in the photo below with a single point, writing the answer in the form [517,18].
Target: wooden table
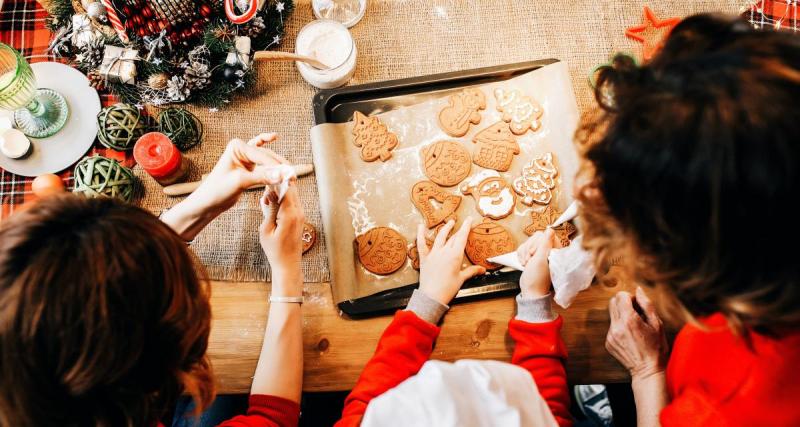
[336,348]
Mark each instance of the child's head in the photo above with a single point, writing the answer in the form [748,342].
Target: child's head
[691,167]
[103,318]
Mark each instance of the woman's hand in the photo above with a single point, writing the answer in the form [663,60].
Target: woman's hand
[280,235]
[535,279]
[636,339]
[440,272]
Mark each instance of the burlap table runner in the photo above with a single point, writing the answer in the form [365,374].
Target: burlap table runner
[397,39]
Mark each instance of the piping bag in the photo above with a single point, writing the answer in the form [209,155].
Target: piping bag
[286,173]
[571,267]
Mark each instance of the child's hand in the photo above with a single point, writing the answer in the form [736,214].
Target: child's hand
[280,235]
[440,273]
[535,279]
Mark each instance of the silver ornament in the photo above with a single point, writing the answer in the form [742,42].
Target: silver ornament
[96,10]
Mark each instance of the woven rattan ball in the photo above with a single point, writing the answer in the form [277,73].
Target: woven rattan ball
[119,126]
[100,176]
[181,126]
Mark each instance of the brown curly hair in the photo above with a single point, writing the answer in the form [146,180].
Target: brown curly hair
[105,319]
[689,166]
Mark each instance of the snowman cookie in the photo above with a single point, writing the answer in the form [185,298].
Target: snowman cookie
[494,198]
[462,110]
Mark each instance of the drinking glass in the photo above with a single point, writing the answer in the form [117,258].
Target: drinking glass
[38,113]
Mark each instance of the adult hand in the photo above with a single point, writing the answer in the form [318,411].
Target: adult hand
[241,166]
[440,272]
[280,235]
[535,279]
[636,339]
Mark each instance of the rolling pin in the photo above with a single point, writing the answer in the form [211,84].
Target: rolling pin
[187,187]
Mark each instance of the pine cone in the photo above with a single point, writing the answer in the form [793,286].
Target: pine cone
[96,80]
[197,75]
[91,55]
[177,90]
[255,27]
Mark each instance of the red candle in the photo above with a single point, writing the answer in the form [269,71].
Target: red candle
[160,158]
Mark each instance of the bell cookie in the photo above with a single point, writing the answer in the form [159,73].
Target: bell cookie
[542,220]
[537,181]
[463,109]
[496,147]
[494,198]
[381,250]
[486,240]
[446,162]
[372,136]
[309,236]
[521,112]
[424,192]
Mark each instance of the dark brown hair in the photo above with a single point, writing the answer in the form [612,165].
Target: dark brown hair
[690,167]
[104,319]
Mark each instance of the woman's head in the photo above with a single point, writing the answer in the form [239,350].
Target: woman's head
[104,319]
[689,169]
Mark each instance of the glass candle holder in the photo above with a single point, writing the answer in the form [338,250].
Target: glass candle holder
[38,113]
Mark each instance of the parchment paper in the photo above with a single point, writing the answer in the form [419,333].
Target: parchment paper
[356,195]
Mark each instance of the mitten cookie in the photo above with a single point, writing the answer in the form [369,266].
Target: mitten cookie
[461,111]
[541,220]
[537,181]
[494,198]
[381,250]
[372,136]
[309,236]
[486,240]
[446,162]
[421,195]
[521,112]
[496,147]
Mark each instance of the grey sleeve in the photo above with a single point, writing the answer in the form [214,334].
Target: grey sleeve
[535,309]
[426,307]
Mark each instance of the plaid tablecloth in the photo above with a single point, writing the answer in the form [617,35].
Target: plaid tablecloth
[22,26]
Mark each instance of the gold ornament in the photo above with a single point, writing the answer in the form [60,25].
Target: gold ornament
[158,81]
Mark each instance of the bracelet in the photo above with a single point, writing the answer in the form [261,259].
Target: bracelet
[297,300]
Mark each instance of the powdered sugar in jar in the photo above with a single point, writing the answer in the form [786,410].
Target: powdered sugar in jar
[330,43]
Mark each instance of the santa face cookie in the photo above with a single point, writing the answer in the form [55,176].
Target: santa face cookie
[486,240]
[537,181]
[462,109]
[519,111]
[541,220]
[381,250]
[372,136]
[309,236]
[494,198]
[422,195]
[496,147]
[446,162]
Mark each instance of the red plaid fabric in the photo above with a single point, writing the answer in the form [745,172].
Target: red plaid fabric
[777,14]
[22,26]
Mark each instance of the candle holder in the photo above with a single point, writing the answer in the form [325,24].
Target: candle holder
[38,113]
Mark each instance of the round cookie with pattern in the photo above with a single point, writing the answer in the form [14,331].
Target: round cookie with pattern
[309,237]
[486,240]
[381,250]
[446,162]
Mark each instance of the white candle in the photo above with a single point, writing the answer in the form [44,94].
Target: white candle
[330,43]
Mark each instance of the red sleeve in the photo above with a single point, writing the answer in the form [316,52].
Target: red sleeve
[404,347]
[267,411]
[541,351]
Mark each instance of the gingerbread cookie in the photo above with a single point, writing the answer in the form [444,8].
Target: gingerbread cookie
[309,236]
[493,196]
[381,250]
[486,240]
[496,147]
[463,109]
[542,220]
[537,181]
[521,112]
[372,136]
[446,162]
[413,253]
[422,195]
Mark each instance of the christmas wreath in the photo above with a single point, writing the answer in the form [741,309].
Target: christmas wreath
[161,52]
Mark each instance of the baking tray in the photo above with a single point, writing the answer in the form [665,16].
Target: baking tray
[338,105]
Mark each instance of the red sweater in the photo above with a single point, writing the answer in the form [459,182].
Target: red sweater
[407,343]
[266,411]
[714,379]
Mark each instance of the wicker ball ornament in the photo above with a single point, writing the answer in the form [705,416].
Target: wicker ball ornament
[119,126]
[100,176]
[181,126]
